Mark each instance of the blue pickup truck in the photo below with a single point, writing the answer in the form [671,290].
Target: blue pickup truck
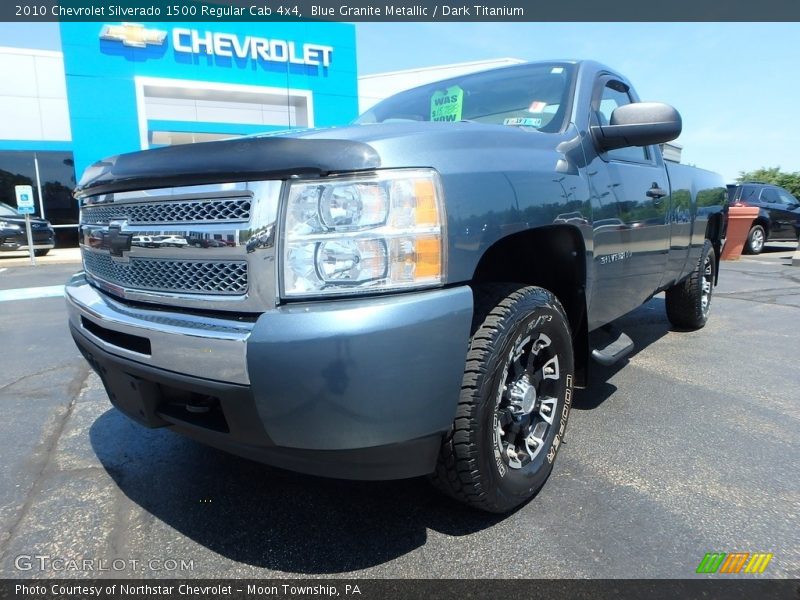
[410,295]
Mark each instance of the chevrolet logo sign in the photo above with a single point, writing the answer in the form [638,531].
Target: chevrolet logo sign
[133,35]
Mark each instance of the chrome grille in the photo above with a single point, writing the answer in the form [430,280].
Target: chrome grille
[178,276]
[205,211]
[203,247]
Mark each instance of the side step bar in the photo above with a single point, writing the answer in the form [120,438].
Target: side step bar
[614,346]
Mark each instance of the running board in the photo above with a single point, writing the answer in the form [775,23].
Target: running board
[616,346]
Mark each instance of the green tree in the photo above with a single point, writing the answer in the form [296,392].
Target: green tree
[774,175]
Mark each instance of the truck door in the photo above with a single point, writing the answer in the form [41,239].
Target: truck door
[631,231]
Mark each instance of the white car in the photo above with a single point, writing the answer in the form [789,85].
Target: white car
[145,241]
[172,240]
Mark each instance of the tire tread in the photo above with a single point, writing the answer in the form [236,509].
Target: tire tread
[682,300]
[457,473]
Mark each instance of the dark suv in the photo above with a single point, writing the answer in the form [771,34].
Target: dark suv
[778,217]
[14,238]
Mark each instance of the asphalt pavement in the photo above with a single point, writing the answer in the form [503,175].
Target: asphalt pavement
[688,446]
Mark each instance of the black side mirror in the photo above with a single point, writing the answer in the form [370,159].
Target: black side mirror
[638,124]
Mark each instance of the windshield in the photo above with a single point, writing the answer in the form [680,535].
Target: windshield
[7,211]
[533,96]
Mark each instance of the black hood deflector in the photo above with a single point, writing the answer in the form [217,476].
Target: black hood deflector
[243,159]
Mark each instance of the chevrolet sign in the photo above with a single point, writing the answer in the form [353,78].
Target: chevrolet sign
[228,45]
[133,35]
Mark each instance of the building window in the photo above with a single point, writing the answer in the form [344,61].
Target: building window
[57,179]
[182,112]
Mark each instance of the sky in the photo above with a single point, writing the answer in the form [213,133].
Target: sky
[735,84]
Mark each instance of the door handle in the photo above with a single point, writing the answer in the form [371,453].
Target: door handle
[655,192]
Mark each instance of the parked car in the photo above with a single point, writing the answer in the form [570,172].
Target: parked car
[407,305]
[172,241]
[778,217]
[145,241]
[205,242]
[14,236]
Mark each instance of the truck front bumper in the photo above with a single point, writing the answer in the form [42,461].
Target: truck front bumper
[358,389]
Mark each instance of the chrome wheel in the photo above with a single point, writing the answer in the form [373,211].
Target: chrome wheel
[706,285]
[515,399]
[756,240]
[526,400]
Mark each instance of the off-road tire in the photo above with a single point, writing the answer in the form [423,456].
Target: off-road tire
[684,300]
[468,467]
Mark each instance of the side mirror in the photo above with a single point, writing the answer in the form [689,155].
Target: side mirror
[638,124]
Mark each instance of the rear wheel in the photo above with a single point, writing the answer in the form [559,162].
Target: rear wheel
[755,240]
[41,252]
[689,302]
[515,399]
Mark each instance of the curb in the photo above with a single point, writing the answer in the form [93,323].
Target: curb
[59,256]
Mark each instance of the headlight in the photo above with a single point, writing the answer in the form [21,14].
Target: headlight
[7,225]
[377,232]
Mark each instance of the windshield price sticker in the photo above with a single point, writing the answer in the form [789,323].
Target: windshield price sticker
[447,105]
[523,121]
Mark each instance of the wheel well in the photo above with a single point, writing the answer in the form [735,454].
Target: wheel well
[714,228]
[714,233]
[759,220]
[552,257]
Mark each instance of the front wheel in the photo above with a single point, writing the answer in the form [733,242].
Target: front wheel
[515,399]
[689,302]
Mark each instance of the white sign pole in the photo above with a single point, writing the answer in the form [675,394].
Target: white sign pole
[24,195]
[30,239]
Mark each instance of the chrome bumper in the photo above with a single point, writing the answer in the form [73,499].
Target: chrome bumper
[206,347]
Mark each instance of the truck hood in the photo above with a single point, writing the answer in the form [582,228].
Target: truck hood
[303,153]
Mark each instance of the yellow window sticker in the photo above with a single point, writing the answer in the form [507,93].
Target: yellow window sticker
[447,105]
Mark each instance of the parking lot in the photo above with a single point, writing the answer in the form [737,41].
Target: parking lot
[689,446]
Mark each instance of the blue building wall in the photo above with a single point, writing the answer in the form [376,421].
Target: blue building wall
[102,94]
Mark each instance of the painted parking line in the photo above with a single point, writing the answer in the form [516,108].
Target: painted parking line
[3,269]
[48,291]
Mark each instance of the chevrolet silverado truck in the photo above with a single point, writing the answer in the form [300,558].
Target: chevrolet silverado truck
[409,295]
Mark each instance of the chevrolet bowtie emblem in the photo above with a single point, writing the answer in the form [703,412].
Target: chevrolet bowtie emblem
[116,242]
[133,35]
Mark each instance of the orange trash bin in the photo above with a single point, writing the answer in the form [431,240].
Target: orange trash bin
[740,219]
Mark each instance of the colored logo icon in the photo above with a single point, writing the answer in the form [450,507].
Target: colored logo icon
[734,563]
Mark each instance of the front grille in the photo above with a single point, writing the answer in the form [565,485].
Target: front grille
[42,237]
[192,211]
[163,275]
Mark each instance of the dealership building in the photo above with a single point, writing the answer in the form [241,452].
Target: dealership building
[121,87]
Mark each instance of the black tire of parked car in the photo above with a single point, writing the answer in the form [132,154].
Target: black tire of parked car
[473,465]
[685,303]
[41,252]
[756,239]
